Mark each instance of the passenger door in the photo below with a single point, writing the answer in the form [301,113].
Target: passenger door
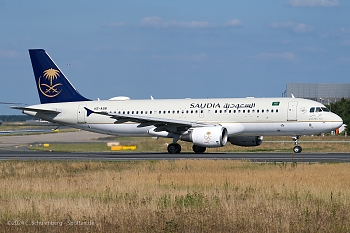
[292,111]
[81,114]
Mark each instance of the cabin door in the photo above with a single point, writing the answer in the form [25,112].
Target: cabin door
[292,111]
[81,114]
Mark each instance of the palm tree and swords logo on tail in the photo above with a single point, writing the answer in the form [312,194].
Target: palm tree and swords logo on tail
[50,90]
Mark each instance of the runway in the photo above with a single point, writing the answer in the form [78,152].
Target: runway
[117,156]
[11,148]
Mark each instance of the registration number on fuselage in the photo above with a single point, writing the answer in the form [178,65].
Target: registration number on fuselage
[100,108]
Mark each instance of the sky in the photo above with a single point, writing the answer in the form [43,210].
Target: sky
[174,49]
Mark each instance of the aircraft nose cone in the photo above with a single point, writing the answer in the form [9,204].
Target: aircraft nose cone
[337,121]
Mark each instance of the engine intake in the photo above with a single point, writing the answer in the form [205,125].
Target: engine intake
[206,136]
[246,140]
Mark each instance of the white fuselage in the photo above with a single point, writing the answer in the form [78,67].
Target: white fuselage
[241,116]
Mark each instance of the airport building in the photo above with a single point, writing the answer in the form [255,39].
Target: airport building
[325,93]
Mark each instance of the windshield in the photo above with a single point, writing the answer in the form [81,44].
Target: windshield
[319,109]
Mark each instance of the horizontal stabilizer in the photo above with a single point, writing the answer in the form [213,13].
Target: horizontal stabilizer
[36,110]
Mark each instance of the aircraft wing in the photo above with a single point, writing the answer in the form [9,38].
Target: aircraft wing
[52,111]
[146,120]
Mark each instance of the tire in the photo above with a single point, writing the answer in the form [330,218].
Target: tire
[174,148]
[297,149]
[198,149]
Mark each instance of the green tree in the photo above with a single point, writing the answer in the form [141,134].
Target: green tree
[13,118]
[342,109]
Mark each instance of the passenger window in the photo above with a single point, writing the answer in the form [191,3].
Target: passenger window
[253,111]
[248,111]
[312,109]
[150,112]
[262,111]
[276,110]
[234,111]
[271,110]
[267,110]
[229,111]
[243,111]
[201,111]
[178,111]
[220,111]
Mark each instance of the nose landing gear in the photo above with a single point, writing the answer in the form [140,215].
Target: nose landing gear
[297,149]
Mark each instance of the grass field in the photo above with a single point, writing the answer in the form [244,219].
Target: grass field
[174,196]
[177,196]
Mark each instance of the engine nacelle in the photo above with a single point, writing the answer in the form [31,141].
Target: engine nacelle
[246,140]
[215,136]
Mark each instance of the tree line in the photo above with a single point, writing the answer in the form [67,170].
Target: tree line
[342,109]
[15,118]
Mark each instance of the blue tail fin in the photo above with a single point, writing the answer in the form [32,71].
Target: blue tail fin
[53,86]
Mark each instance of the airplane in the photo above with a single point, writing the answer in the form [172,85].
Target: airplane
[207,123]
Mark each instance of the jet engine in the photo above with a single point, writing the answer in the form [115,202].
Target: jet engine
[246,140]
[215,136]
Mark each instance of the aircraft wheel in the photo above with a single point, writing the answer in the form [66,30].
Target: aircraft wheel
[297,149]
[174,148]
[198,149]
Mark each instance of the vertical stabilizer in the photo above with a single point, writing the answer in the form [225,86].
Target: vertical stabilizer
[52,85]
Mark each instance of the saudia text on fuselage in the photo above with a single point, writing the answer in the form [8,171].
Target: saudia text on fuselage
[218,105]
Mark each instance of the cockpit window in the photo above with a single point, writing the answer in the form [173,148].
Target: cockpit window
[319,109]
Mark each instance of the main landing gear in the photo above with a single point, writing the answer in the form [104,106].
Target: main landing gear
[175,148]
[198,149]
[297,149]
